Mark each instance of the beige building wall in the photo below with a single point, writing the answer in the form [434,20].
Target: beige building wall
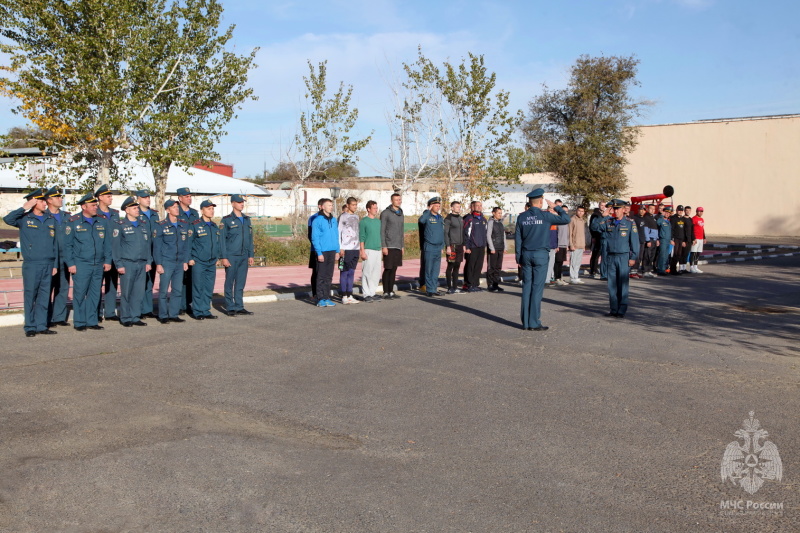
[744,172]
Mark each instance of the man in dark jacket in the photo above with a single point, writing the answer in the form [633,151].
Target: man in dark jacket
[454,246]
[474,246]
[496,239]
[679,238]
[638,219]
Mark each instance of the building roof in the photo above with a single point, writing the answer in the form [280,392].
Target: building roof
[198,180]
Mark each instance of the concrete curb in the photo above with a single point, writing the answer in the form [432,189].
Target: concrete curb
[17,319]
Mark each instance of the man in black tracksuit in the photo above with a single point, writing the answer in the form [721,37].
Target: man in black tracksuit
[496,239]
[454,246]
[474,246]
[638,219]
[596,243]
[679,238]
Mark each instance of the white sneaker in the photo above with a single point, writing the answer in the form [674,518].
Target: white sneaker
[576,281]
[596,276]
[697,270]
[561,282]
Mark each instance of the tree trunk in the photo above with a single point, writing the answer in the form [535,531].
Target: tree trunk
[160,176]
[104,170]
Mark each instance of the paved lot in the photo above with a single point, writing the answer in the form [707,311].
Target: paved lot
[413,415]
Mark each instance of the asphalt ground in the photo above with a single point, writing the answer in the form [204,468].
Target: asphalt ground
[414,415]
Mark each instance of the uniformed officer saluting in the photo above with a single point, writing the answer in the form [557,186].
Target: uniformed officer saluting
[149,218]
[532,240]
[108,297]
[130,248]
[171,247]
[87,254]
[236,251]
[57,312]
[622,248]
[204,257]
[37,235]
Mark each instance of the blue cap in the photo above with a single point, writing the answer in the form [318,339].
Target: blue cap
[434,200]
[237,198]
[209,203]
[103,189]
[616,202]
[130,201]
[536,193]
[54,192]
[169,203]
[39,194]
[183,191]
[144,193]
[87,198]
[668,208]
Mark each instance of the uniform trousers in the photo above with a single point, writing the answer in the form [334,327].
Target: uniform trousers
[108,300]
[603,259]
[325,275]
[433,265]
[186,295]
[534,275]
[235,279]
[204,273]
[618,280]
[474,267]
[370,272]
[595,258]
[57,311]
[663,257]
[147,301]
[170,289]
[131,288]
[86,285]
[494,265]
[36,279]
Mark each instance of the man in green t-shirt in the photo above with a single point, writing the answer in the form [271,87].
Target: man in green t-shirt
[370,238]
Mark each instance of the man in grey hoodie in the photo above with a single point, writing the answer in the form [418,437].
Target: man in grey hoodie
[392,244]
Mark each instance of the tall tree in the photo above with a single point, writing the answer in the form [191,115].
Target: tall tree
[73,71]
[325,130]
[474,124]
[584,133]
[197,87]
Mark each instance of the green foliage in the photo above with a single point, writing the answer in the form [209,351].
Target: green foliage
[583,133]
[475,126]
[294,251]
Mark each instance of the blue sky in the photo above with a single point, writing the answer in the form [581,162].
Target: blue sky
[699,58]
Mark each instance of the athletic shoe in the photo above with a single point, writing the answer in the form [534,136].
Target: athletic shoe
[649,275]
[395,296]
[368,299]
[498,288]
[451,291]
[596,276]
[458,291]
[353,300]
[387,296]
[346,300]
[560,282]
[329,303]
[576,281]
[697,270]
[321,303]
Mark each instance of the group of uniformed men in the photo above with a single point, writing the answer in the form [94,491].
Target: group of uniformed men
[102,248]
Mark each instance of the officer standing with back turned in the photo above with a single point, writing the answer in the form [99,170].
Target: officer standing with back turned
[532,248]
[622,249]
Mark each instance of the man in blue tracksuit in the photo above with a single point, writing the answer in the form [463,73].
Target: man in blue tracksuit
[108,299]
[431,224]
[532,249]
[37,236]
[87,254]
[204,257]
[57,312]
[130,248]
[236,251]
[171,248]
[325,240]
[149,217]
[622,249]
[664,238]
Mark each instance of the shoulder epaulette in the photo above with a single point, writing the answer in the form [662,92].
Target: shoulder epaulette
[112,210]
[161,222]
[120,221]
[228,216]
[73,218]
[198,221]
